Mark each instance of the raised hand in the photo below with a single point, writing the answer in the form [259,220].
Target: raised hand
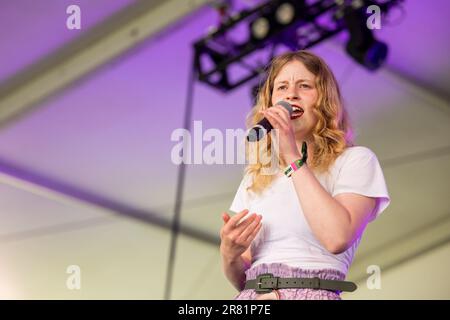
[279,119]
[237,234]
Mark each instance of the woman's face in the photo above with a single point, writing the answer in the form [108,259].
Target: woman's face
[296,85]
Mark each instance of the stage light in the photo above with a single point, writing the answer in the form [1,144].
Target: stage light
[285,13]
[295,24]
[362,45]
[260,28]
[275,17]
[372,56]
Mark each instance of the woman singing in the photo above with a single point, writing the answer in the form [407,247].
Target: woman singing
[307,218]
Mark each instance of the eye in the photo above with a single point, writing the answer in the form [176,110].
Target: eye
[304,85]
[281,87]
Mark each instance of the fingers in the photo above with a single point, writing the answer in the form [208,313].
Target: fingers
[248,231]
[254,233]
[286,114]
[233,221]
[275,118]
[281,114]
[225,217]
[244,224]
[234,232]
[239,237]
[273,121]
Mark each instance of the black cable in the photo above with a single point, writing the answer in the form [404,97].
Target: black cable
[180,185]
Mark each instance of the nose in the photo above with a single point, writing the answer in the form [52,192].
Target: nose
[292,95]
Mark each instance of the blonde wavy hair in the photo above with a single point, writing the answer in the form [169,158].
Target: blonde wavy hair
[332,133]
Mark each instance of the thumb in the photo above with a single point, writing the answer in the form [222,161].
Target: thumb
[225,217]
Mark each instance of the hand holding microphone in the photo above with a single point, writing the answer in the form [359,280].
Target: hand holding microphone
[284,144]
[264,126]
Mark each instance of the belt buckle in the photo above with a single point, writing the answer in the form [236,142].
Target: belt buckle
[259,279]
[315,283]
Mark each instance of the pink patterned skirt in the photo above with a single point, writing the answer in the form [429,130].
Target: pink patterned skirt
[284,271]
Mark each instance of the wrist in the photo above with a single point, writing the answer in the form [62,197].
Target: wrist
[295,161]
[292,157]
[296,155]
[229,258]
[294,166]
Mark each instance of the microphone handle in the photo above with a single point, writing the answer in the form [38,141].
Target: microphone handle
[257,132]
[265,123]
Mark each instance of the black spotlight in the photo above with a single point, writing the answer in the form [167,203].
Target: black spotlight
[362,45]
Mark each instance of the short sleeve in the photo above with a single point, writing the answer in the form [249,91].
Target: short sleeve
[361,173]
[241,199]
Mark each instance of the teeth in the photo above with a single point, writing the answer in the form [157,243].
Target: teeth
[295,108]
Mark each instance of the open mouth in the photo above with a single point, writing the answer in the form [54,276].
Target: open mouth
[297,112]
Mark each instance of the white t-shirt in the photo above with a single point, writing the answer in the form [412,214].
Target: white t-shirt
[285,236]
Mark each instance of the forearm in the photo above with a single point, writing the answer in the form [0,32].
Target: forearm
[328,219]
[234,270]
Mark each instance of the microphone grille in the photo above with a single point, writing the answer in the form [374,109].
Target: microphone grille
[286,105]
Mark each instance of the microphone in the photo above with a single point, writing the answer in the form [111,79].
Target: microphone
[257,132]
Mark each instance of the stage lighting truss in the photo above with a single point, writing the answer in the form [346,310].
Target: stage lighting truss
[242,46]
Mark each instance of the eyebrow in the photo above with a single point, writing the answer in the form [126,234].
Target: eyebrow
[300,80]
